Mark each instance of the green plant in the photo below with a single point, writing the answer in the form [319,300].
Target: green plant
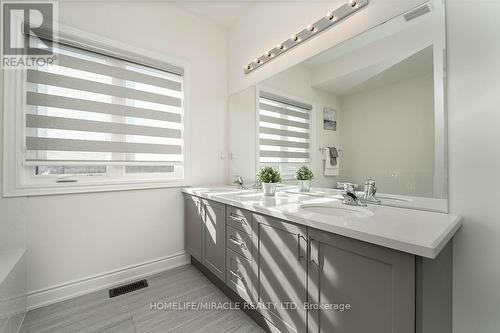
[269,175]
[304,173]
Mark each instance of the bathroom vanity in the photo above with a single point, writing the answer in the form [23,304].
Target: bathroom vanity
[369,108]
[390,266]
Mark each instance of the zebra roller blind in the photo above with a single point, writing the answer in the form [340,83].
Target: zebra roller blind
[284,130]
[95,109]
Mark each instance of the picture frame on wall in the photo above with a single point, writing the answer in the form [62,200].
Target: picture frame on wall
[329,119]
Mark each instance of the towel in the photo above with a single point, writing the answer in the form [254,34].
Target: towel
[333,155]
[331,161]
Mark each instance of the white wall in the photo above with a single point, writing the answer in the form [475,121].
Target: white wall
[12,223]
[242,135]
[387,134]
[474,161]
[72,237]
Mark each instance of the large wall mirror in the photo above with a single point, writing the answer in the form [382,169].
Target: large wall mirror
[376,99]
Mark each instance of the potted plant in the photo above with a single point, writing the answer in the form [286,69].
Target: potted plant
[304,176]
[269,177]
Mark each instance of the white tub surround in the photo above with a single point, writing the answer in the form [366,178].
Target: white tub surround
[12,290]
[417,232]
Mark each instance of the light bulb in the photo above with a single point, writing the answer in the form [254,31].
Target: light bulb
[331,17]
[311,28]
[353,3]
[280,47]
[267,53]
[295,38]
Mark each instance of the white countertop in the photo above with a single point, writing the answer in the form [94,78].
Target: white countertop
[422,233]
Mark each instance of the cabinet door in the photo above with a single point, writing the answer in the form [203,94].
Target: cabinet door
[378,284]
[281,279]
[194,225]
[214,238]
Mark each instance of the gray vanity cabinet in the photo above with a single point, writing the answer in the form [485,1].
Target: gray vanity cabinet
[303,279]
[194,216]
[214,238]
[206,233]
[281,272]
[378,283]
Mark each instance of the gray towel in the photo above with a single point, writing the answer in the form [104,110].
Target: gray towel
[334,154]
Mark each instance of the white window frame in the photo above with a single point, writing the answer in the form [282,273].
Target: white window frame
[312,126]
[15,174]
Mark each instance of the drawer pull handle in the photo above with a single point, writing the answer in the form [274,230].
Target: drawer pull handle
[235,241]
[299,251]
[237,218]
[239,277]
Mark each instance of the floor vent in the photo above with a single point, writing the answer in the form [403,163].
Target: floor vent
[417,12]
[127,288]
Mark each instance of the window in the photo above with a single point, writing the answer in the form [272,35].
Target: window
[95,118]
[284,133]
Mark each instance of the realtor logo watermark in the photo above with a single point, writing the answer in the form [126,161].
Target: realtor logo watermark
[199,306]
[28,29]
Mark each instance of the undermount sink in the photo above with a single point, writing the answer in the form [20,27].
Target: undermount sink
[221,190]
[394,199]
[334,209]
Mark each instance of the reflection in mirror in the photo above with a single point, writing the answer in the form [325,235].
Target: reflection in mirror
[369,108]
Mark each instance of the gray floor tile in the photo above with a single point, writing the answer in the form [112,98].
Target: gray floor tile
[119,326]
[76,314]
[132,312]
[220,321]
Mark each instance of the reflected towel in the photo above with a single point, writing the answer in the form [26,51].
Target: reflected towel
[330,169]
[334,154]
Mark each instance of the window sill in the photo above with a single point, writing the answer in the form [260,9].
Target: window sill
[72,188]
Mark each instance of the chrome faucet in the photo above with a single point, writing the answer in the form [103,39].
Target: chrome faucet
[349,196]
[257,185]
[240,182]
[369,193]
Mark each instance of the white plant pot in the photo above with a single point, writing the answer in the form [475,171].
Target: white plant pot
[269,189]
[304,185]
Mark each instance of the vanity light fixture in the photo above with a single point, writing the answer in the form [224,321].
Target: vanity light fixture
[331,18]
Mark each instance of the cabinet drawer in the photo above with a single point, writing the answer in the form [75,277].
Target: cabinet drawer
[239,275]
[240,219]
[239,242]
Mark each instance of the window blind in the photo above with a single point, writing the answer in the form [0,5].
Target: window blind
[284,130]
[96,109]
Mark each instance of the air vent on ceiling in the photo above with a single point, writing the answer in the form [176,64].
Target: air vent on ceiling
[417,12]
[127,288]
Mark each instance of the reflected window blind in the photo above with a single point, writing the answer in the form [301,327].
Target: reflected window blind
[95,109]
[284,130]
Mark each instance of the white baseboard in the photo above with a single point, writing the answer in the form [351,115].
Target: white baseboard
[54,294]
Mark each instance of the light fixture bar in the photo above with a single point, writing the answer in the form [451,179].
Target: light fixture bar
[331,18]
